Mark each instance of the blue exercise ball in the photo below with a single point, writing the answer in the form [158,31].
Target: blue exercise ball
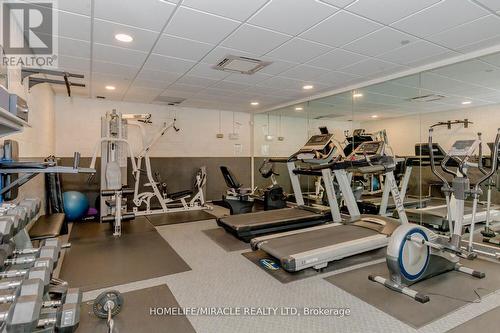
[76,205]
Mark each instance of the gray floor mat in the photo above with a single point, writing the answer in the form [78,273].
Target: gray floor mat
[102,262]
[286,277]
[459,289]
[225,240]
[487,322]
[179,217]
[135,315]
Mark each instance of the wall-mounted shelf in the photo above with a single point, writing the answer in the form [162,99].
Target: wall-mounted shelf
[10,124]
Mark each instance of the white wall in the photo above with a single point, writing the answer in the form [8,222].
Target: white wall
[404,132]
[295,130]
[78,128]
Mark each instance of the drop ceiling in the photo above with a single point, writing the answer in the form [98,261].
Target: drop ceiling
[463,85]
[329,44]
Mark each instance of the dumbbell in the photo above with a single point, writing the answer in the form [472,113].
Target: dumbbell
[65,319]
[35,287]
[16,222]
[7,253]
[107,305]
[6,229]
[35,273]
[33,203]
[49,242]
[22,213]
[23,314]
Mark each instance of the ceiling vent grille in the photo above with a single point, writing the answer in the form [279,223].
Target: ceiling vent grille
[168,100]
[241,65]
[427,98]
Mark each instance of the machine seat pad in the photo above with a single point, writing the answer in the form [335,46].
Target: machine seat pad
[180,194]
[47,226]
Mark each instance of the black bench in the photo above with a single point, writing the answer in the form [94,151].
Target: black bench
[47,226]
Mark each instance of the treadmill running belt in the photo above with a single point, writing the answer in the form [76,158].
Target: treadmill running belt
[315,239]
[257,220]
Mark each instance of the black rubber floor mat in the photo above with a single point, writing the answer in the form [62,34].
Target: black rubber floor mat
[225,240]
[448,292]
[136,314]
[285,277]
[179,217]
[108,261]
[85,231]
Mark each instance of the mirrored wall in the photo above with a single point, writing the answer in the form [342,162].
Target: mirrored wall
[400,111]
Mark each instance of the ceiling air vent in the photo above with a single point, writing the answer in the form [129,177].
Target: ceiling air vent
[427,98]
[168,100]
[241,65]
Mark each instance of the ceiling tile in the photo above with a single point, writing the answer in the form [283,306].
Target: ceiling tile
[235,9]
[119,55]
[230,86]
[248,79]
[491,4]
[156,75]
[412,52]
[206,70]
[217,54]
[493,59]
[73,63]
[73,47]
[168,64]
[177,93]
[115,69]
[469,33]
[482,44]
[157,85]
[277,66]
[185,87]
[336,59]
[371,66]
[145,14]
[303,72]
[380,41]
[388,11]
[294,22]
[79,7]
[203,27]
[181,48]
[338,3]
[437,18]
[74,26]
[255,40]
[334,77]
[299,50]
[348,27]
[197,81]
[105,31]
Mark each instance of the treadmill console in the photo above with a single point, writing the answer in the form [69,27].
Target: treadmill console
[369,148]
[464,148]
[318,149]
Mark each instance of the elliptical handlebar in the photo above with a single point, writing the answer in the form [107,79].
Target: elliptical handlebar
[432,164]
[494,163]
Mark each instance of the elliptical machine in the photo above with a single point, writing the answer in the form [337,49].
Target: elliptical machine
[416,253]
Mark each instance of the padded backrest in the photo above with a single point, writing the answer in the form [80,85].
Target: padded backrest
[230,179]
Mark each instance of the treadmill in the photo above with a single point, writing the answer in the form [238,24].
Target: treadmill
[320,149]
[317,246]
[435,214]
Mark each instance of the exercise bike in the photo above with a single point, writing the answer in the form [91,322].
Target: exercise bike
[416,253]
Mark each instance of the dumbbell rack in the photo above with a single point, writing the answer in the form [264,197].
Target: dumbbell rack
[34,301]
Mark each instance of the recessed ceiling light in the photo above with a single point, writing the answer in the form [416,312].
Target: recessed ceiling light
[466,102]
[374,116]
[110,88]
[405,42]
[356,95]
[124,38]
[299,108]
[254,103]
[308,87]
